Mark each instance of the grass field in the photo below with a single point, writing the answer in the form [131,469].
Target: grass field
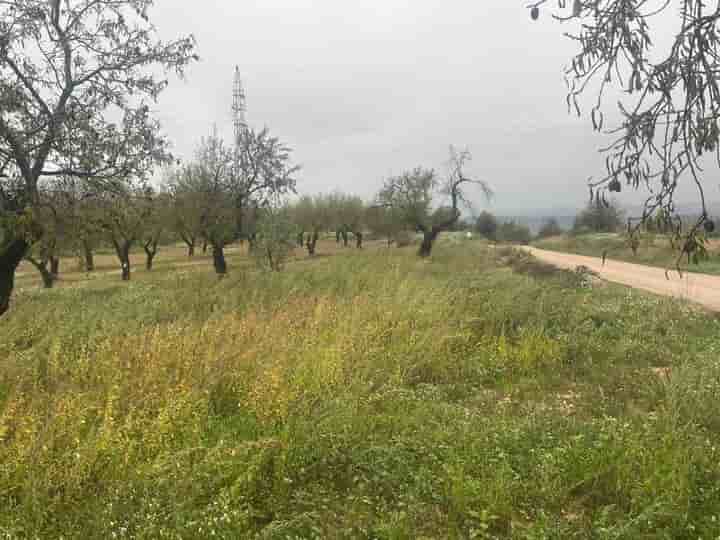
[361,395]
[654,250]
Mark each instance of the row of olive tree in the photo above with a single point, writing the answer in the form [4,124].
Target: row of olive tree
[217,198]
[75,220]
[406,204]
[63,67]
[219,195]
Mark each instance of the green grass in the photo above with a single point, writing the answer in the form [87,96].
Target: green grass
[363,395]
[654,250]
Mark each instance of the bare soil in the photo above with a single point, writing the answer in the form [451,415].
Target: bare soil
[699,288]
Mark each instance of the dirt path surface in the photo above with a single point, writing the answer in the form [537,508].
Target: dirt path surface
[700,288]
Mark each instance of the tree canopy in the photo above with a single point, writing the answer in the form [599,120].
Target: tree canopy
[76,80]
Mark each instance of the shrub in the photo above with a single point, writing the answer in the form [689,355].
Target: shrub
[276,237]
[549,228]
[598,218]
[513,232]
[486,225]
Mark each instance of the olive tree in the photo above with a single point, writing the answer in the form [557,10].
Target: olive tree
[385,222]
[67,70]
[549,228]
[87,230]
[412,194]
[487,225]
[186,207]
[669,103]
[156,223]
[43,254]
[312,215]
[126,214]
[261,171]
[599,218]
[275,235]
[209,179]
[55,217]
[347,215]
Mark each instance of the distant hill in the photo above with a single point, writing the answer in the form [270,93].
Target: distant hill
[535,222]
[566,216]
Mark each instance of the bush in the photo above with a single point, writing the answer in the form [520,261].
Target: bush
[598,218]
[549,228]
[486,224]
[511,231]
[276,237]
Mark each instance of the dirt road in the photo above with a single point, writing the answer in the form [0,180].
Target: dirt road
[700,288]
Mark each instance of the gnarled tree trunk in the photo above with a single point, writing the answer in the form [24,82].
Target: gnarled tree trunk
[47,277]
[89,260]
[122,249]
[312,243]
[55,266]
[431,234]
[429,238]
[9,261]
[218,253]
[190,242]
[150,252]
[252,242]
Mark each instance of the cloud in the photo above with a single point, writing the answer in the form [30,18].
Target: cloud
[364,89]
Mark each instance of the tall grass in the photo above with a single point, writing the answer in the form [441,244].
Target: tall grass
[367,395]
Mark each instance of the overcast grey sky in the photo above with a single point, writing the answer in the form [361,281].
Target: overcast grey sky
[361,90]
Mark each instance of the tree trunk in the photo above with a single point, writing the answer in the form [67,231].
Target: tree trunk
[123,253]
[205,245]
[9,261]
[190,242]
[125,261]
[427,243]
[89,260]
[301,239]
[311,243]
[345,237]
[150,251]
[47,277]
[338,234]
[125,271]
[55,267]
[358,239]
[219,263]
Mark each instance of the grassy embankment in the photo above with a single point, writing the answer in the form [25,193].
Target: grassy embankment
[654,250]
[364,395]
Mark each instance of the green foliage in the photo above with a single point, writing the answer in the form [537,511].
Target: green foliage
[550,228]
[598,218]
[410,194]
[386,222]
[487,225]
[514,232]
[368,395]
[276,236]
